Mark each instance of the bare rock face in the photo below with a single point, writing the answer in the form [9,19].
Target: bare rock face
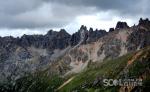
[95,35]
[121,25]
[87,36]
[144,21]
[29,53]
[78,36]
[60,52]
[144,24]
[52,40]
[111,29]
[75,39]
[138,39]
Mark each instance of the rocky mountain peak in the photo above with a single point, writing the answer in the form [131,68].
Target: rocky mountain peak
[83,28]
[63,33]
[86,35]
[111,29]
[121,25]
[91,30]
[144,21]
[83,31]
[50,32]
[79,36]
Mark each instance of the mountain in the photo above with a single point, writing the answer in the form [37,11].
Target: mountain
[58,61]
[130,66]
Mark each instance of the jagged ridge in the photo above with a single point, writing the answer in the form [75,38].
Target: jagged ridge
[63,54]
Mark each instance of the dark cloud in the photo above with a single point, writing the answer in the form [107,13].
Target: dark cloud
[18,6]
[129,7]
[58,13]
[37,13]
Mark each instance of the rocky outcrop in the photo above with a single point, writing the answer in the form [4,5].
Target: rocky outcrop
[138,39]
[121,25]
[95,35]
[89,35]
[52,40]
[111,29]
[144,21]
[76,37]
[144,24]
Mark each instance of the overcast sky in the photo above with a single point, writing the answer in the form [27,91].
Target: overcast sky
[18,17]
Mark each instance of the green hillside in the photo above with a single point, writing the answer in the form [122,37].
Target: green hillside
[90,79]
[133,65]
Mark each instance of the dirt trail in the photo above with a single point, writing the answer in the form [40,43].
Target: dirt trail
[65,83]
[134,58]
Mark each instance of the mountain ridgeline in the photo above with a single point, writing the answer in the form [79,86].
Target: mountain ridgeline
[48,60]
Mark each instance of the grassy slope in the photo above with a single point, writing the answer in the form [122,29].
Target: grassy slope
[111,69]
[83,82]
[106,69]
[38,82]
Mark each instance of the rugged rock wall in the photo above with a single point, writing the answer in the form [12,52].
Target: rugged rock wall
[63,53]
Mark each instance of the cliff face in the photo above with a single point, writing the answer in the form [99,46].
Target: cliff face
[29,53]
[62,53]
[113,44]
[132,66]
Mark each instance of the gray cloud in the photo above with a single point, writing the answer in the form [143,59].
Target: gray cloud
[129,7]
[58,13]
[32,14]
[18,6]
